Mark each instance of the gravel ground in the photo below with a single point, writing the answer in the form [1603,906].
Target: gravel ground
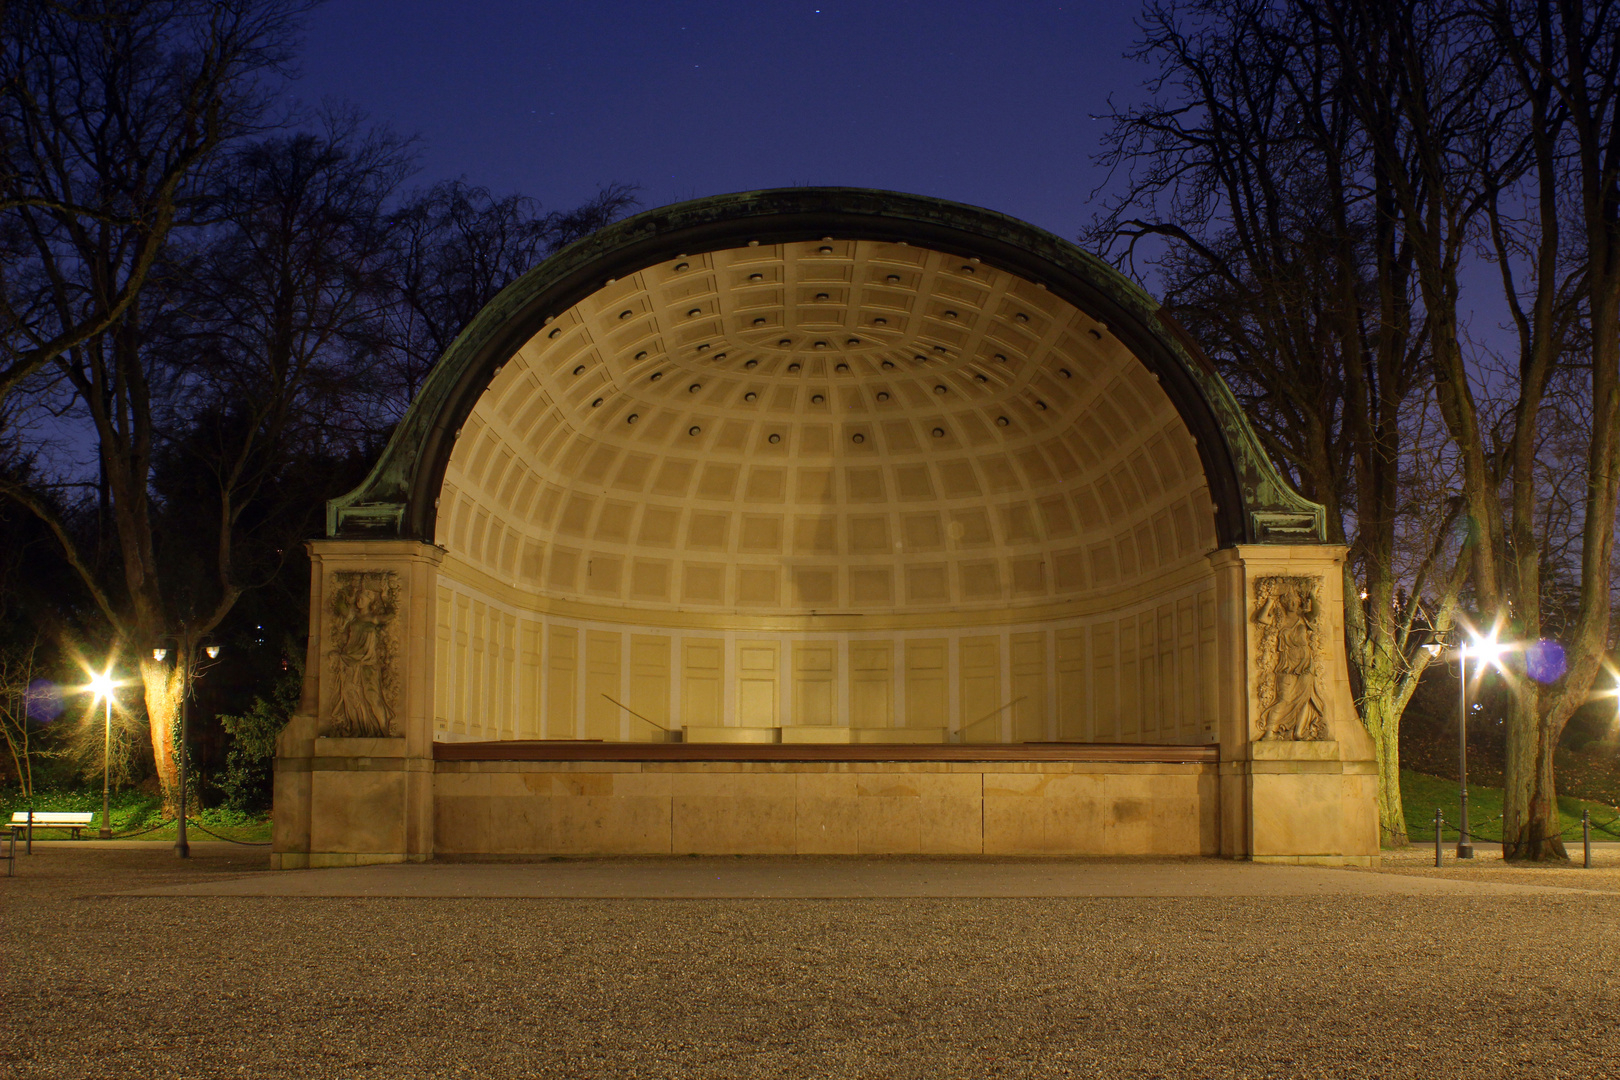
[110,986]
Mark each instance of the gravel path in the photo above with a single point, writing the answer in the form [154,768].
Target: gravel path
[1364,986]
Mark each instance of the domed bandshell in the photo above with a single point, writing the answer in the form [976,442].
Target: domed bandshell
[1052,280]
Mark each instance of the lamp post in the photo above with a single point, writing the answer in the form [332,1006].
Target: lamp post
[188,670]
[1465,849]
[102,686]
[1488,650]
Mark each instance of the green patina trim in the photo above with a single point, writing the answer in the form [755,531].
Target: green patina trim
[1273,511]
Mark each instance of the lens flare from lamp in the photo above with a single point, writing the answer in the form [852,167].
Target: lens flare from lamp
[44,702]
[1544,661]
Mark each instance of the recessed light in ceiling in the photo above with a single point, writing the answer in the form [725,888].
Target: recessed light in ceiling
[857,437]
[579,369]
[775,438]
[1003,421]
[596,404]
[793,366]
[625,314]
[883,395]
[750,396]
[694,388]
[655,376]
[682,266]
[939,388]
[694,313]
[632,418]
[939,433]
[694,430]
[817,399]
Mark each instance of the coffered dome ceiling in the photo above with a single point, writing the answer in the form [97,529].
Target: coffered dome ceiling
[824,401]
[824,426]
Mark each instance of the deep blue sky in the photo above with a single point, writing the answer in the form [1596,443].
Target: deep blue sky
[985,103]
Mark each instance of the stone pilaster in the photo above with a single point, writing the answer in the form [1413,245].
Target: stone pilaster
[354,767]
[1299,781]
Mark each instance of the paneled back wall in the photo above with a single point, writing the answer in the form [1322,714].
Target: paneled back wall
[1142,673]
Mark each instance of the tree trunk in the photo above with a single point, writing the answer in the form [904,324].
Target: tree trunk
[162,684]
[1383,721]
[1531,827]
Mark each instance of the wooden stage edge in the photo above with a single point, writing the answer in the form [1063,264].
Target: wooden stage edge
[567,750]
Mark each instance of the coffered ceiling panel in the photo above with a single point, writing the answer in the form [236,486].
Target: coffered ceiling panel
[824,427]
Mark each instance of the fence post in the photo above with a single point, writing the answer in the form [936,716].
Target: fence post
[1438,819]
[1586,836]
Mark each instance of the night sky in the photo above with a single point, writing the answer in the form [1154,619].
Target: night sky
[983,103]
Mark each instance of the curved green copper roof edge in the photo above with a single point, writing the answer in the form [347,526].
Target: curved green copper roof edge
[399,496]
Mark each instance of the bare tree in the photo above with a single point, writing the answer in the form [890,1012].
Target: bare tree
[1253,189]
[214,392]
[456,246]
[1530,164]
[109,111]
[1564,56]
[18,671]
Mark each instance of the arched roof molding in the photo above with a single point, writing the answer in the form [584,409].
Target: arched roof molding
[1253,503]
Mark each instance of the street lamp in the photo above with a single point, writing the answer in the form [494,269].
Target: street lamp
[185,656]
[1490,651]
[102,686]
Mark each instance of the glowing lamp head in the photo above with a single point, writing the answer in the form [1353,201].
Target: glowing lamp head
[102,685]
[212,651]
[1486,649]
[160,655]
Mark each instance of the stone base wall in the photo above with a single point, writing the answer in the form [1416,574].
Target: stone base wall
[824,808]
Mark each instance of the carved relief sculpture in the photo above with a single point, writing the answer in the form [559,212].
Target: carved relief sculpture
[362,655]
[1288,614]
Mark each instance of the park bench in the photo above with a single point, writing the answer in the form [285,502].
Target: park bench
[74,821]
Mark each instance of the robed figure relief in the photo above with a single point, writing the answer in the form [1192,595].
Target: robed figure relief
[1289,614]
[361,654]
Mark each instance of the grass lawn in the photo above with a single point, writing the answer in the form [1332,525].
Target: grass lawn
[1421,794]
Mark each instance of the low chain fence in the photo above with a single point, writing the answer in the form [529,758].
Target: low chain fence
[1471,832]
